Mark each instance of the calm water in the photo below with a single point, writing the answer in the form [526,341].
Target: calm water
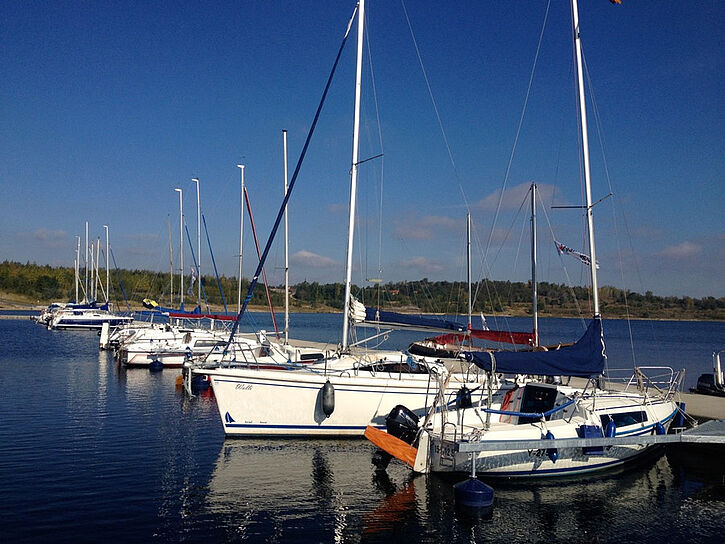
[90,452]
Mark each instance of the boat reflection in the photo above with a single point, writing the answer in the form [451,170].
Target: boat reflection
[326,490]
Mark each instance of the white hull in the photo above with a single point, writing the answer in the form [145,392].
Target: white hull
[539,463]
[622,413]
[289,403]
[88,321]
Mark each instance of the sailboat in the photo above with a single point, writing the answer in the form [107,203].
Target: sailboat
[502,433]
[350,387]
[88,315]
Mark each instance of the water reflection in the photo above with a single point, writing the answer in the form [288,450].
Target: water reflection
[314,490]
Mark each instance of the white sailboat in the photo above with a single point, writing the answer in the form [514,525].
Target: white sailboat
[483,436]
[87,315]
[345,391]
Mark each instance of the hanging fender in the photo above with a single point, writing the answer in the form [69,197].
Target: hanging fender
[328,398]
[553,453]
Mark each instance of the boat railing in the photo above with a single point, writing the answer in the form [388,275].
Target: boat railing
[663,380]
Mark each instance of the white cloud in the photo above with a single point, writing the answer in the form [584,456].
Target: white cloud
[312,260]
[46,238]
[422,265]
[685,250]
[423,227]
[514,196]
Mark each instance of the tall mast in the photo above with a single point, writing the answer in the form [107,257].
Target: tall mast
[198,242]
[534,290]
[171,265]
[585,151]
[108,281]
[91,295]
[468,261]
[77,265]
[98,264]
[85,278]
[241,233]
[286,244]
[91,281]
[181,247]
[353,171]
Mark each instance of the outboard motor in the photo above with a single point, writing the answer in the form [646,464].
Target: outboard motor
[401,423]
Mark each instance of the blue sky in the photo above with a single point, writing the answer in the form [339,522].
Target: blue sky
[106,107]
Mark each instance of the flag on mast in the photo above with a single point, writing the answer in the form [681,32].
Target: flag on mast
[583,257]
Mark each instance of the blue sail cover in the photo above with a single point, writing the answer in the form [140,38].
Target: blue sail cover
[585,358]
[373,315]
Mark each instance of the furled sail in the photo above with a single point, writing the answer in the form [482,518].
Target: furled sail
[360,314]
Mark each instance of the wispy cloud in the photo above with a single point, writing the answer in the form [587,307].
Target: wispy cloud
[685,250]
[337,208]
[421,265]
[313,260]
[143,237]
[47,239]
[513,197]
[424,227]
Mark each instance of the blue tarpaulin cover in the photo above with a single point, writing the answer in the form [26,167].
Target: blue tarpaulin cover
[585,358]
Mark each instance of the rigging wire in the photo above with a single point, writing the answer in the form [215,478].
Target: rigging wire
[569,283]
[518,133]
[382,164]
[435,105]
[614,218]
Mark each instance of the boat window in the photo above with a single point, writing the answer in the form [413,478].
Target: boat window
[394,367]
[624,419]
[536,399]
[208,343]
[311,356]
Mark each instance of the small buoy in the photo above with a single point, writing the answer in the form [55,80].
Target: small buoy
[156,365]
[553,453]
[473,493]
[611,430]
[659,428]
[179,380]
[328,398]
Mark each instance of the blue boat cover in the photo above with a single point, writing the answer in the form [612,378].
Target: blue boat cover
[585,358]
[373,315]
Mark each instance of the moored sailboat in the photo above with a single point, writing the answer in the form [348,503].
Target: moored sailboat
[493,436]
[349,388]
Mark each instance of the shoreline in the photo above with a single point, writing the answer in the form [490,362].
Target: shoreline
[8,307]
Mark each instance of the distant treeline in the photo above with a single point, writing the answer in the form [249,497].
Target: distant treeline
[43,284]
